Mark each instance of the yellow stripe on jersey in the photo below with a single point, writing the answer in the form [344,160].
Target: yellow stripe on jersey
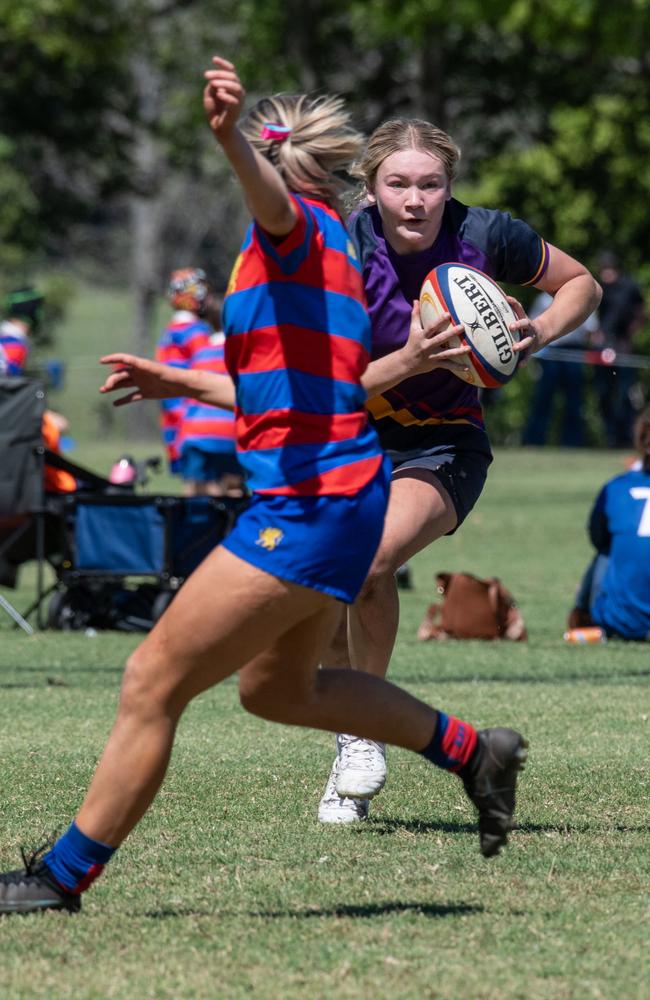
[381,408]
[541,267]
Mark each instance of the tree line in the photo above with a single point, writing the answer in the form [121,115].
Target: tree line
[105,158]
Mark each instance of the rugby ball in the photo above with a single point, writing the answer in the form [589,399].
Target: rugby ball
[478,304]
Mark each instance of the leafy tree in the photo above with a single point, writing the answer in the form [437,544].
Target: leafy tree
[61,141]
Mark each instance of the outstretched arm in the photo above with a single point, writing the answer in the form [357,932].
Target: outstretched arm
[266,193]
[153,380]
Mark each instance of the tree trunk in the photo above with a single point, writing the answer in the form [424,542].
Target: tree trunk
[145,227]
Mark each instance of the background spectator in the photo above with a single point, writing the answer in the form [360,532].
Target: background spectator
[186,333]
[206,439]
[615,591]
[622,315]
[23,314]
[562,380]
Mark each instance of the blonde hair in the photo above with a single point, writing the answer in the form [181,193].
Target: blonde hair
[321,142]
[398,134]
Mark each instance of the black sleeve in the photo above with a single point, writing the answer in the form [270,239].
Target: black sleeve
[517,253]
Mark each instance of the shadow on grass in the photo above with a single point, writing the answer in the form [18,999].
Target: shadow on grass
[388,826]
[365,912]
[617,677]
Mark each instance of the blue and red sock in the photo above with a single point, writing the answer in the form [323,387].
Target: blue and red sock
[77,860]
[453,743]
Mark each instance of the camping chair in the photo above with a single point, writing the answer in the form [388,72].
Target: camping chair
[32,522]
[22,500]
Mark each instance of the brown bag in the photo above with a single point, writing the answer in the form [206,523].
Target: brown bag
[472,608]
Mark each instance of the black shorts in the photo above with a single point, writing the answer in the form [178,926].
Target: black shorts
[462,470]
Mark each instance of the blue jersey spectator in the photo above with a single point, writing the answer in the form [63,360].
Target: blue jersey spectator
[615,592]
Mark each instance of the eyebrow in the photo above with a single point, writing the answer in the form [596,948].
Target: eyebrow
[395,174]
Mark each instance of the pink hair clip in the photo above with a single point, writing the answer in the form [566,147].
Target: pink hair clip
[277,133]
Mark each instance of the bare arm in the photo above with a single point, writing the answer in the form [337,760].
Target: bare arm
[266,193]
[575,296]
[424,350]
[152,380]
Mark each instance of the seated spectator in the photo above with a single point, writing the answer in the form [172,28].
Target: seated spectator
[615,591]
[23,311]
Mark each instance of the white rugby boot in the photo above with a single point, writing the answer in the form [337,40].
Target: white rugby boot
[362,767]
[333,809]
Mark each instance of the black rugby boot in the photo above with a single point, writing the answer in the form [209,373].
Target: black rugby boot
[34,888]
[490,780]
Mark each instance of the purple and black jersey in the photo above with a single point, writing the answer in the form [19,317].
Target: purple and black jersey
[424,409]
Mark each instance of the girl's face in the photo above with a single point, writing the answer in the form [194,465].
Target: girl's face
[410,191]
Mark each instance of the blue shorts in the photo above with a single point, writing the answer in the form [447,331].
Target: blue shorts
[208,466]
[325,543]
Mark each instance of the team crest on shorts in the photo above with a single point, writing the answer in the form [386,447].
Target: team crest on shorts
[270,538]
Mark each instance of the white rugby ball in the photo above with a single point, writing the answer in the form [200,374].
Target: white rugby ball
[478,304]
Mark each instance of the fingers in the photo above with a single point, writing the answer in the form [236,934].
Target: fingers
[443,337]
[118,380]
[517,307]
[118,359]
[224,63]
[523,344]
[133,397]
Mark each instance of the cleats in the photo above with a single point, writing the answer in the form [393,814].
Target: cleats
[334,809]
[490,781]
[34,888]
[361,767]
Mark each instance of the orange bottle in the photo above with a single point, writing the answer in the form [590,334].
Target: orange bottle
[590,633]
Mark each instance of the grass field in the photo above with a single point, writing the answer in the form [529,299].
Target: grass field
[230,888]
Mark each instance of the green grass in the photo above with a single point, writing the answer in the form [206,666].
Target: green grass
[230,888]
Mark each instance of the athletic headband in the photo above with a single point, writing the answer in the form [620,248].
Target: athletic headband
[277,133]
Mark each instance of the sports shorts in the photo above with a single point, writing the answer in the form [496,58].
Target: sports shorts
[208,466]
[462,472]
[326,543]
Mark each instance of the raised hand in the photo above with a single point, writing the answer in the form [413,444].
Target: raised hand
[223,96]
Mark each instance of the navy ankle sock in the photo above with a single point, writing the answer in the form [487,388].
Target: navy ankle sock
[452,744]
[77,860]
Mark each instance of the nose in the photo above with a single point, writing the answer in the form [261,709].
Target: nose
[413,196]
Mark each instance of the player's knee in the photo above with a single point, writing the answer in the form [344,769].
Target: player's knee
[145,689]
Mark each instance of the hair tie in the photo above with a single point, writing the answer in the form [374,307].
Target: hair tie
[274,132]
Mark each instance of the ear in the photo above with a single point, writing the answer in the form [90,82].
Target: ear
[448,198]
[370,196]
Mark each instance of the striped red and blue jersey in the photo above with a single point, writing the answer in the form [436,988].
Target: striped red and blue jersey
[182,338]
[14,348]
[297,344]
[208,428]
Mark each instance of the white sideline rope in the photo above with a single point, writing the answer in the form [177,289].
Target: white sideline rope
[607,357]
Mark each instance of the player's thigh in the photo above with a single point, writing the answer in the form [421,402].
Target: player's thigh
[225,615]
[419,511]
[281,679]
